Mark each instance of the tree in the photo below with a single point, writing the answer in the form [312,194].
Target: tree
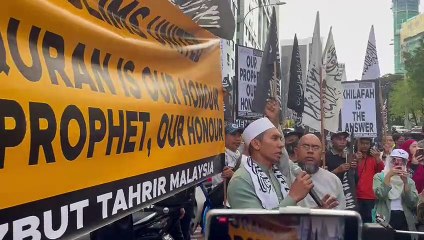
[407,95]
[414,66]
[406,98]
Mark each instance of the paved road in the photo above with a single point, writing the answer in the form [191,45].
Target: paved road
[197,235]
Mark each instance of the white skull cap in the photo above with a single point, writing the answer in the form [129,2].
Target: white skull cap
[400,153]
[255,128]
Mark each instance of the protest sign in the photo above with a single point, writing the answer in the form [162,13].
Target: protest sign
[105,107]
[359,108]
[247,74]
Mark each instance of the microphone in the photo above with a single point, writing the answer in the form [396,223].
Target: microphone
[312,193]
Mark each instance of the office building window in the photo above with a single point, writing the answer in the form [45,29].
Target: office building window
[238,9]
[228,59]
[232,63]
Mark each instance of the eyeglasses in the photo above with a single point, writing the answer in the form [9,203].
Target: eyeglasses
[314,148]
[394,159]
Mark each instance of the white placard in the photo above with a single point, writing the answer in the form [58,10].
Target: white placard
[359,109]
[248,66]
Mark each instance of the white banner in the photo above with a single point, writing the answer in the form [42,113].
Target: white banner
[371,67]
[333,99]
[359,109]
[312,99]
[248,66]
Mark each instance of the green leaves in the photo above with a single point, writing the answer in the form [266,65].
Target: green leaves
[408,94]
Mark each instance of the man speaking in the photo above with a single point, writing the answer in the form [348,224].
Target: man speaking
[258,183]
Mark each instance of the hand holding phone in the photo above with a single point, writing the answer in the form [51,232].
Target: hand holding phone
[419,155]
[399,171]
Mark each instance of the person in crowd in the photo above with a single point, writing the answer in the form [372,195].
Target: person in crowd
[232,162]
[272,112]
[399,140]
[187,212]
[420,214]
[415,162]
[232,155]
[326,183]
[369,163]
[337,156]
[422,130]
[396,194]
[291,141]
[388,146]
[259,183]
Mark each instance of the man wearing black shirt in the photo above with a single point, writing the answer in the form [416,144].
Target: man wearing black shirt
[336,156]
[291,139]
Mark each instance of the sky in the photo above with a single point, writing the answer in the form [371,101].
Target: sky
[351,21]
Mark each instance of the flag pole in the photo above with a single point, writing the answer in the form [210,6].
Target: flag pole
[382,112]
[322,94]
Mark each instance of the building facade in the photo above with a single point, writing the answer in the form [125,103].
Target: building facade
[286,47]
[228,61]
[412,33]
[402,11]
[253,22]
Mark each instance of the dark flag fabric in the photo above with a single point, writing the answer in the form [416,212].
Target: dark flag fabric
[295,93]
[269,81]
[215,16]
[228,106]
[349,182]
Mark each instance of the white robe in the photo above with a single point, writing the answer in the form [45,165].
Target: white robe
[325,182]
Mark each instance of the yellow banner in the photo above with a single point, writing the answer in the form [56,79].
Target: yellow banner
[412,28]
[94,92]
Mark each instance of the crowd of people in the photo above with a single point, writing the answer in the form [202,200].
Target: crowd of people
[279,168]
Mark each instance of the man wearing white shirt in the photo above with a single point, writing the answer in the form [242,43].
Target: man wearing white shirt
[326,184]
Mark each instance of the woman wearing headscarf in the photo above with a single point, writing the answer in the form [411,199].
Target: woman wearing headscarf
[396,194]
[415,163]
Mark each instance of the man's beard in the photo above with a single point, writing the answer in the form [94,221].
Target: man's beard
[309,168]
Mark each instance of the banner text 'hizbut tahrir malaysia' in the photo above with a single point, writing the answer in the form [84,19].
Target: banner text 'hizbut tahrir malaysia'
[104,108]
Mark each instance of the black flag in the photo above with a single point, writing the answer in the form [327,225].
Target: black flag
[295,96]
[215,16]
[228,105]
[349,182]
[270,73]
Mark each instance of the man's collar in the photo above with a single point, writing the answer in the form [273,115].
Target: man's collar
[334,152]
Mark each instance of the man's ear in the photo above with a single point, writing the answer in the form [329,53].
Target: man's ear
[256,144]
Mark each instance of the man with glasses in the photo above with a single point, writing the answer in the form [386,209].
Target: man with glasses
[326,184]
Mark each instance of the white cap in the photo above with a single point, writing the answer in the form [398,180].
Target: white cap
[399,153]
[255,128]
